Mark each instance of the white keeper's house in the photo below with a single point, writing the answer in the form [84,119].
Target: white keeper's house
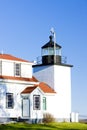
[28,95]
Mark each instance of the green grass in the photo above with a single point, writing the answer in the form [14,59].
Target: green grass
[50,126]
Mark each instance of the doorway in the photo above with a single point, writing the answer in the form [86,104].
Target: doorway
[26,107]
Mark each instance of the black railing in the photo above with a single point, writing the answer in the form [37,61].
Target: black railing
[39,60]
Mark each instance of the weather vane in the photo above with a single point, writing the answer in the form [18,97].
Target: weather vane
[53,33]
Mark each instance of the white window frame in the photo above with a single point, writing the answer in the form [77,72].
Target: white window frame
[17,69]
[9,100]
[36,102]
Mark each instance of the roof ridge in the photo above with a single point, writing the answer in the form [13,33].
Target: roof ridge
[11,57]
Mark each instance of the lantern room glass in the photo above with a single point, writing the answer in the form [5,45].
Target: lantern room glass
[51,51]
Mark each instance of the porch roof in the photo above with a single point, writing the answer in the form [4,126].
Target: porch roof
[46,88]
[28,90]
[43,86]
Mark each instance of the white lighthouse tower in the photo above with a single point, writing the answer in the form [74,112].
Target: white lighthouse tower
[57,75]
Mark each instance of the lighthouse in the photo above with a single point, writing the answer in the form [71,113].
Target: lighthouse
[57,74]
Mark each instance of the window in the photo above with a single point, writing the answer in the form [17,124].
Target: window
[9,100]
[36,102]
[44,103]
[17,69]
[0,67]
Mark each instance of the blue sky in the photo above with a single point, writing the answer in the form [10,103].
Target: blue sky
[25,27]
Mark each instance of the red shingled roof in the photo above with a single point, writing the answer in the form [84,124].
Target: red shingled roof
[28,90]
[46,88]
[10,57]
[33,79]
[43,86]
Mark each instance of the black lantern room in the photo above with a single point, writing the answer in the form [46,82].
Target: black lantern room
[51,52]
